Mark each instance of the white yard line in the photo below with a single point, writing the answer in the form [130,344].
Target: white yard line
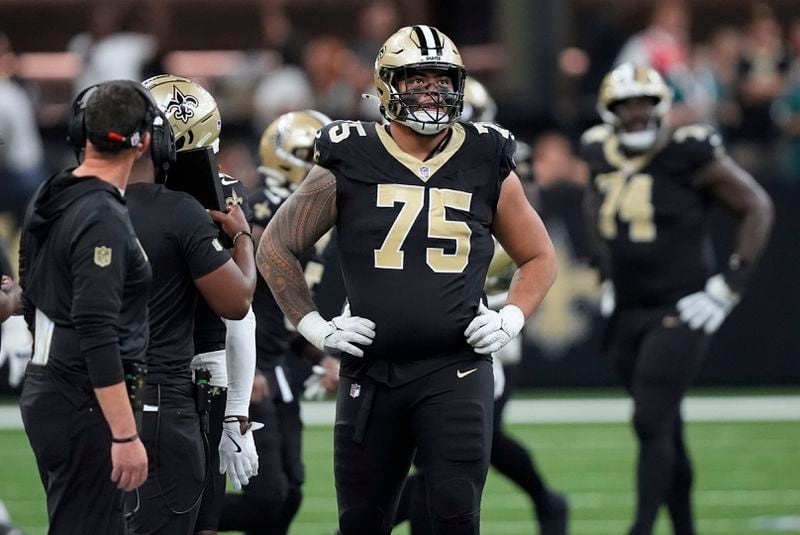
[541,411]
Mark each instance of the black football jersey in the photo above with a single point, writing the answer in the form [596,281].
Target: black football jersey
[652,215]
[209,329]
[273,335]
[182,244]
[414,236]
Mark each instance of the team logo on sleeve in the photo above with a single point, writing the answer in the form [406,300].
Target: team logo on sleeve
[102,256]
[181,106]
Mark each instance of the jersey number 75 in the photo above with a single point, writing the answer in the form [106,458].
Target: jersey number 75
[391,255]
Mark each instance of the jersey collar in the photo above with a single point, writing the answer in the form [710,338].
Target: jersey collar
[422,170]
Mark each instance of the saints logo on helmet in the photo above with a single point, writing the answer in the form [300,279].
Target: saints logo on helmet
[287,145]
[181,106]
[413,49]
[634,81]
[190,109]
[479,106]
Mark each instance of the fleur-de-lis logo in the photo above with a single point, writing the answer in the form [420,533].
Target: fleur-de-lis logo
[181,106]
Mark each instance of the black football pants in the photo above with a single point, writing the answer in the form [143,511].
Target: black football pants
[169,500]
[445,418]
[72,446]
[657,356]
[214,493]
[509,457]
[269,502]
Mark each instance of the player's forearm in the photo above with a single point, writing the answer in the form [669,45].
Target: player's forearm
[116,407]
[754,228]
[6,307]
[531,282]
[240,361]
[283,272]
[242,254]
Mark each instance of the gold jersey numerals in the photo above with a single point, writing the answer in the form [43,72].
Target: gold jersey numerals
[412,198]
[630,200]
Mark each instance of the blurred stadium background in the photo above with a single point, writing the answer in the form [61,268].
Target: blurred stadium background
[732,63]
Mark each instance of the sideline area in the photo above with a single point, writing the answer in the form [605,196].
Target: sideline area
[584,410]
[581,410]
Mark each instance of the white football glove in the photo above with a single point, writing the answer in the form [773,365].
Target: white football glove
[489,330]
[608,298]
[16,348]
[313,385]
[338,335]
[237,452]
[707,309]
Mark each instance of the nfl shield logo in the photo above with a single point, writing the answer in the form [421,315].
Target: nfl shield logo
[355,390]
[102,256]
[424,172]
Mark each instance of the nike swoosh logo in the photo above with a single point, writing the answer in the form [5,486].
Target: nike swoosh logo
[238,447]
[461,374]
[228,182]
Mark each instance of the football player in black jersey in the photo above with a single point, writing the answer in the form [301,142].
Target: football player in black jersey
[189,262]
[415,203]
[650,193]
[509,457]
[270,501]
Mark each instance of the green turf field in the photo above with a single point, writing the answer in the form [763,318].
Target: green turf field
[748,479]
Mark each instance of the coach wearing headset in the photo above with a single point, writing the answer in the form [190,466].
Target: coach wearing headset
[86,281]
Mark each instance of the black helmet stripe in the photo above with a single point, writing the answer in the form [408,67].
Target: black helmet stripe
[428,39]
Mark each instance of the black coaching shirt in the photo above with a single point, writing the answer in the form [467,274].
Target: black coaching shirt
[652,216]
[182,244]
[414,239]
[82,266]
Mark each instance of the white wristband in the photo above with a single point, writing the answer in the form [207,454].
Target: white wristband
[315,329]
[512,319]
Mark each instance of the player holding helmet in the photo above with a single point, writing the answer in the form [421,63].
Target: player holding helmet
[225,347]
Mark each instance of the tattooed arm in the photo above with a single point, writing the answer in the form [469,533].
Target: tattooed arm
[297,225]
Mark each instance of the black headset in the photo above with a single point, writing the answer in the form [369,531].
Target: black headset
[162,143]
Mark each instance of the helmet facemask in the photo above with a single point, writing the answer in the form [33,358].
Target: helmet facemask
[422,50]
[627,82]
[639,139]
[426,111]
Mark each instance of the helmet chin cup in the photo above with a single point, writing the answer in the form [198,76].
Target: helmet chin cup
[423,123]
[639,141]
[426,129]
